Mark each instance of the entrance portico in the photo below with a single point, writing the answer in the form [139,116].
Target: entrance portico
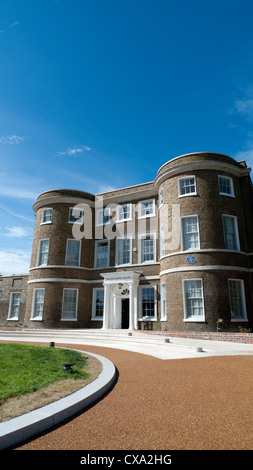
[118,287]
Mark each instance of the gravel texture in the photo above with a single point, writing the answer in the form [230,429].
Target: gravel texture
[182,404]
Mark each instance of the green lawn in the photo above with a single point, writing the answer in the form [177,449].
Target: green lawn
[26,368]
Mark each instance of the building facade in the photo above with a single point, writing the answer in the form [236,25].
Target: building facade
[173,254]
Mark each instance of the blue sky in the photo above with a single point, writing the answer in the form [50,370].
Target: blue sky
[97,95]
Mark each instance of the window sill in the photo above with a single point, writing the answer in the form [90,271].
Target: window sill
[68,319]
[36,319]
[239,320]
[225,194]
[194,320]
[97,319]
[187,195]
[12,319]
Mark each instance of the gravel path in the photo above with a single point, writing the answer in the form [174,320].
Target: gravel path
[182,404]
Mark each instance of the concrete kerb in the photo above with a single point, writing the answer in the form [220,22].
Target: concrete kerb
[30,424]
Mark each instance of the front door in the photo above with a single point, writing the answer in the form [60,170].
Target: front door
[124,313]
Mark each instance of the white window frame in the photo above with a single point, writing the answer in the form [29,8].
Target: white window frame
[39,317]
[244,310]
[100,218]
[237,240]
[11,305]
[94,296]
[43,215]
[117,257]
[163,301]
[187,178]
[160,196]
[69,240]
[148,318]
[40,253]
[97,242]
[118,212]
[231,184]
[76,220]
[140,209]
[142,236]
[76,306]
[182,233]
[196,318]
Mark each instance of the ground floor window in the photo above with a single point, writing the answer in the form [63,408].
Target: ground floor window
[14,306]
[163,302]
[193,300]
[38,304]
[98,304]
[237,300]
[69,304]
[148,302]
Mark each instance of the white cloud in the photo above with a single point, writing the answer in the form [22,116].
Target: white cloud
[15,192]
[246,155]
[16,232]
[15,262]
[74,150]
[245,108]
[14,24]
[11,139]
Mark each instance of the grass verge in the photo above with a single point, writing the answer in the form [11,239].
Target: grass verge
[33,376]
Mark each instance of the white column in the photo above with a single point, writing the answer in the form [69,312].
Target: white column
[131,307]
[135,305]
[106,306]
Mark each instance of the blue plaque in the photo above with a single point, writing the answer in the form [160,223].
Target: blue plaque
[190,259]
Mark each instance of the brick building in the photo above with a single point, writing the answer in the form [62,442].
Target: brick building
[172,254]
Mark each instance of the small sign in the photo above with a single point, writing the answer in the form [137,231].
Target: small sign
[190,259]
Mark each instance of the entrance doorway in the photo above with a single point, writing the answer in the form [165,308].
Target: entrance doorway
[125,313]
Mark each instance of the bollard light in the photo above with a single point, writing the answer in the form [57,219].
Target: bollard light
[68,366]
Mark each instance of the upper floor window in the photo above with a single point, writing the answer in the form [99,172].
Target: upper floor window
[124,212]
[43,252]
[69,304]
[187,186]
[123,251]
[103,216]
[226,187]
[193,300]
[73,252]
[147,248]
[38,304]
[14,306]
[190,233]
[230,229]
[47,216]
[237,300]
[146,208]
[102,254]
[75,215]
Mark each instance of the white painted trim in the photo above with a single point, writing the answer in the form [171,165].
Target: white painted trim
[55,266]
[94,291]
[205,268]
[148,215]
[58,279]
[205,250]
[108,253]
